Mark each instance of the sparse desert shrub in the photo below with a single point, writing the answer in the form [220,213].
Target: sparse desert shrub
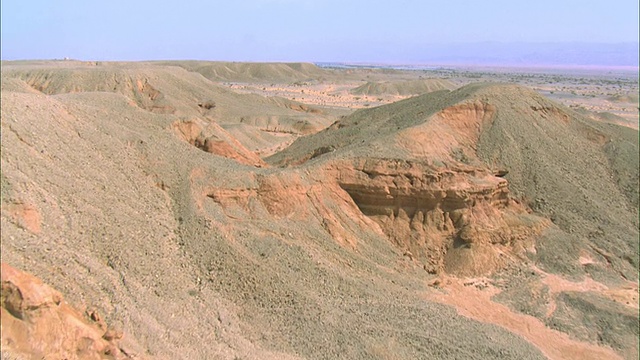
[209,104]
[459,155]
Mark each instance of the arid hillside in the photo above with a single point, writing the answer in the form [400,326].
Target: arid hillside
[254,72]
[178,219]
[541,148]
[171,90]
[403,88]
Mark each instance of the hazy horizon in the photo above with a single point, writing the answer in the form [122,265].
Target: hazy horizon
[490,33]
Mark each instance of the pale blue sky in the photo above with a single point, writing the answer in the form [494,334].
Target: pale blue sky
[298,30]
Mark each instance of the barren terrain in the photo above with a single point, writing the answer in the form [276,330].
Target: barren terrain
[202,210]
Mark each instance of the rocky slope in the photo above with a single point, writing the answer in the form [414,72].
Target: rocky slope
[172,90]
[330,251]
[403,88]
[492,175]
[253,72]
[37,323]
[514,136]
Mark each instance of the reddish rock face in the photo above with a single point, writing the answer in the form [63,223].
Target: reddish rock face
[26,216]
[435,200]
[37,323]
[458,219]
[23,293]
[212,138]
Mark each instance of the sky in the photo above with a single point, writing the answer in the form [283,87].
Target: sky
[300,30]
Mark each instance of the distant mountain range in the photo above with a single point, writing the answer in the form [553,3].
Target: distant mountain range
[494,53]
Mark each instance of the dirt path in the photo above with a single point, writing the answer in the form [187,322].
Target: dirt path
[476,304]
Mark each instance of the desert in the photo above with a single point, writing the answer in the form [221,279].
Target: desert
[244,210]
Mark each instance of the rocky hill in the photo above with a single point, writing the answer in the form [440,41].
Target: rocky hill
[254,72]
[377,237]
[403,88]
[516,137]
[172,90]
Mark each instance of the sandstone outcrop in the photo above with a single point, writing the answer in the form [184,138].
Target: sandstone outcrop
[417,176]
[38,324]
[26,215]
[212,138]
[458,219]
